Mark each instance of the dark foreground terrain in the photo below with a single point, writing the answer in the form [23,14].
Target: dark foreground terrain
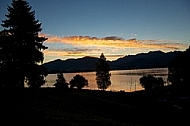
[51,107]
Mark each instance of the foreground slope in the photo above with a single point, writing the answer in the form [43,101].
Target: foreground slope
[53,107]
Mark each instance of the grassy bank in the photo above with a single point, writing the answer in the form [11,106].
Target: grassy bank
[51,107]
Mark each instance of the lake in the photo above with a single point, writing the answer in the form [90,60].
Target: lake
[122,80]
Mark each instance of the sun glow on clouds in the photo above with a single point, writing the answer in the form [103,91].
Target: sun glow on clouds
[114,47]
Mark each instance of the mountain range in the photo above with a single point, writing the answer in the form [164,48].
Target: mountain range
[152,59]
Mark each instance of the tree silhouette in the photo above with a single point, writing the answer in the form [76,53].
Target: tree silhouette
[78,81]
[159,82]
[61,82]
[178,72]
[149,82]
[102,73]
[35,75]
[21,47]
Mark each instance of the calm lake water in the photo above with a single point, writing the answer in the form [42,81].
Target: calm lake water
[125,80]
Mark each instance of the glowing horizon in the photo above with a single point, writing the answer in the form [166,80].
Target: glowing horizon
[113,47]
[116,27]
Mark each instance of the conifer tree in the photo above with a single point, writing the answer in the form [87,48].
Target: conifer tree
[178,71]
[102,73]
[61,82]
[21,47]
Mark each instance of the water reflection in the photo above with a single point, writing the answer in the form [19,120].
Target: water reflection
[125,80]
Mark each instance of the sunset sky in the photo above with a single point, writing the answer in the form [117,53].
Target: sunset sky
[78,28]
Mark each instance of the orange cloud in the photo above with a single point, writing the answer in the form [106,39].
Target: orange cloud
[115,42]
[73,52]
[113,47]
[77,53]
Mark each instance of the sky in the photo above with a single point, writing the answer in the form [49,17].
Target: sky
[78,28]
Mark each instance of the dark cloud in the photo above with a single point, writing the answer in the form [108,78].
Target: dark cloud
[113,38]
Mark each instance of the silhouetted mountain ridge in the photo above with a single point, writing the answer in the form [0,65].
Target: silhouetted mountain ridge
[152,59]
[71,65]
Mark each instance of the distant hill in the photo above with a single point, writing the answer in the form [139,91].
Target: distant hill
[71,65]
[153,59]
